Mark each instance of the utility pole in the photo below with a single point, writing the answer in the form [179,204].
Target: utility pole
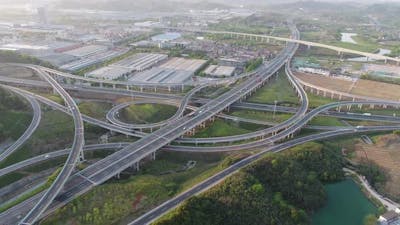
[273,115]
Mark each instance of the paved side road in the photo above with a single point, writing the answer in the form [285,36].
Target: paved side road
[389,204]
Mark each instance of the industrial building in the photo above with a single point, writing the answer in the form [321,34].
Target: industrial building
[127,66]
[162,75]
[93,59]
[175,70]
[109,73]
[141,61]
[166,37]
[191,65]
[86,51]
[219,71]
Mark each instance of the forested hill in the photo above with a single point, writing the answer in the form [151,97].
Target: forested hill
[278,189]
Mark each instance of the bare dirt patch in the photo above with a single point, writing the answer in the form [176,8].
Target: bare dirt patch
[385,152]
[377,89]
[325,82]
[367,88]
[17,72]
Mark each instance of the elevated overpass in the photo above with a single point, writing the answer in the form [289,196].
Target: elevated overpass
[261,37]
[130,155]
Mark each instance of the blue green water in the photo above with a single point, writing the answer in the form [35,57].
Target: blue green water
[346,205]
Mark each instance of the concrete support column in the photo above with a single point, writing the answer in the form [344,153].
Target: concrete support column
[349,107]
[137,166]
[153,156]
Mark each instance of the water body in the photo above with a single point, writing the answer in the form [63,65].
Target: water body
[346,205]
[382,51]
[348,38]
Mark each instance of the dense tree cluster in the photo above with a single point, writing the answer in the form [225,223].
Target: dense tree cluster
[278,189]
[253,64]
[9,101]
[14,57]
[375,175]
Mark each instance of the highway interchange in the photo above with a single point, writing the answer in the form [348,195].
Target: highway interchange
[70,184]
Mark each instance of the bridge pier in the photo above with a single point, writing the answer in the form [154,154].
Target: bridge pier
[153,156]
[136,166]
[372,106]
[349,107]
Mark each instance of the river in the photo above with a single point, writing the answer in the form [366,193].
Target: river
[346,205]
